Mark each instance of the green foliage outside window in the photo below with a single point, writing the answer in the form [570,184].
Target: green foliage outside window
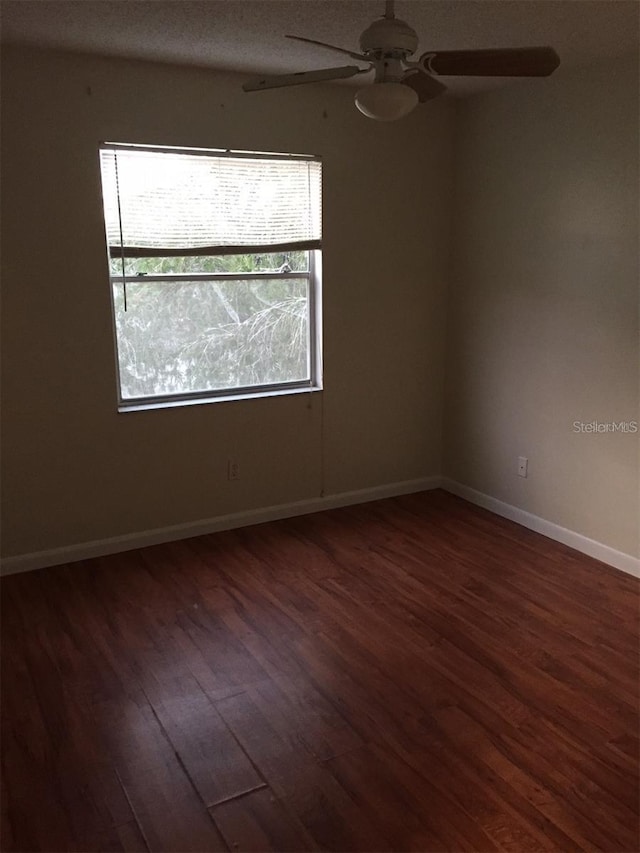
[186,337]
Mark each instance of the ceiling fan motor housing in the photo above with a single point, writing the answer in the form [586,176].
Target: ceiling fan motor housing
[389,36]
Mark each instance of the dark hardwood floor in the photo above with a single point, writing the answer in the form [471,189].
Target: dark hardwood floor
[411,674]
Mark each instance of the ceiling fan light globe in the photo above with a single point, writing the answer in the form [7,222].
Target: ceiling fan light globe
[386,101]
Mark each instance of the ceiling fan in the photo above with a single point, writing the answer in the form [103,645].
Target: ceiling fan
[401,83]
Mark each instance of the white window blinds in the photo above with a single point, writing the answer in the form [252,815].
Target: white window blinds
[162,203]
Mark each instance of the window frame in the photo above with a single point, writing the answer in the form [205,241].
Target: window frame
[313,277]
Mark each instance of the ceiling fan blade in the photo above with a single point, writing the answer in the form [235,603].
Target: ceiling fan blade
[277,80]
[350,53]
[424,85]
[510,62]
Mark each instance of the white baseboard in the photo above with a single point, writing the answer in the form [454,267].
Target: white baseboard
[604,553]
[115,544]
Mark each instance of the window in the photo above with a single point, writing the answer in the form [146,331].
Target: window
[214,261]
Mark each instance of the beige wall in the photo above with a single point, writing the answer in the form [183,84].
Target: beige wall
[75,470]
[543,313]
[542,320]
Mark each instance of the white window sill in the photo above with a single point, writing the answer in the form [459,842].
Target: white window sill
[199,401]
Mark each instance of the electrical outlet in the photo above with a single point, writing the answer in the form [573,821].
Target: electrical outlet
[523,466]
[233,470]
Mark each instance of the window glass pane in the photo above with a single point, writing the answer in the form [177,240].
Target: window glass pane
[297,261]
[184,337]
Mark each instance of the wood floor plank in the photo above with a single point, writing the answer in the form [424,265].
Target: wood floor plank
[390,717]
[169,812]
[212,757]
[62,764]
[411,811]
[328,813]
[413,673]
[259,823]
[298,708]
[582,827]
[129,838]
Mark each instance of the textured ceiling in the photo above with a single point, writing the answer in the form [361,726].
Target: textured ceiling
[247,35]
